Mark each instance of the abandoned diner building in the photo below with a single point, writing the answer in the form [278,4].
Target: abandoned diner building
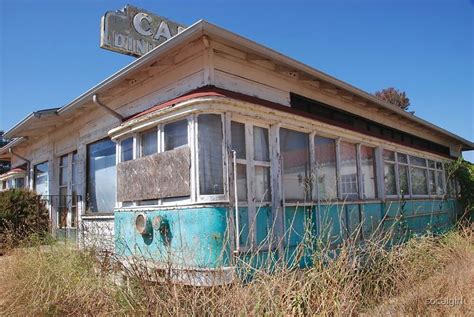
[212,138]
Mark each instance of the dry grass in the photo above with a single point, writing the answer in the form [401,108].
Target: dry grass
[412,278]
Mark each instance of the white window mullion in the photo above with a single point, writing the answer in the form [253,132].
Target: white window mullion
[278,205]
[359,172]
[397,175]
[312,168]
[338,168]
[250,185]
[380,174]
[192,139]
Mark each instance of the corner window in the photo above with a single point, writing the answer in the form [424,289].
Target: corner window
[101,176]
[210,136]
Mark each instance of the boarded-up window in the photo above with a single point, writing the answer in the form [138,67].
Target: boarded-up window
[160,175]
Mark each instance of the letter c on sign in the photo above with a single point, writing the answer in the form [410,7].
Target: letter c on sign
[138,23]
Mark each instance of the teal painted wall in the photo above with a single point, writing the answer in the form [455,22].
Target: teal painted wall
[198,237]
[193,237]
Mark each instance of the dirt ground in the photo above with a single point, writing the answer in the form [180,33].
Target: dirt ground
[447,293]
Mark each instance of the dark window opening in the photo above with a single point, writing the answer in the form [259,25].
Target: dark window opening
[329,114]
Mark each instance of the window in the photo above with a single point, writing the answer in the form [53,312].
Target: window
[176,134]
[239,146]
[63,192]
[402,162]
[211,180]
[348,170]
[418,176]
[41,185]
[261,162]
[389,173]
[294,148]
[74,181]
[126,147]
[325,149]
[367,173]
[20,182]
[101,176]
[149,142]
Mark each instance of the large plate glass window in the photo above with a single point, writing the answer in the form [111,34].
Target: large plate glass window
[101,176]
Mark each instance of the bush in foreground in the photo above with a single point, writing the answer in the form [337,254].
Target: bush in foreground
[22,213]
[63,281]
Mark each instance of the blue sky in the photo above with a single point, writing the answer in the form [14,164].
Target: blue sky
[50,49]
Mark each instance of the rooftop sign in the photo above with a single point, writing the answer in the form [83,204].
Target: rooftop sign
[134,31]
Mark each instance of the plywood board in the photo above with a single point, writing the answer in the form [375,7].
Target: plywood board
[160,175]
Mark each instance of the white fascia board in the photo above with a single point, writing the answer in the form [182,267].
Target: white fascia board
[12,144]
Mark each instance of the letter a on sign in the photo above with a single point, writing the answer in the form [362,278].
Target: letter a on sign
[163,30]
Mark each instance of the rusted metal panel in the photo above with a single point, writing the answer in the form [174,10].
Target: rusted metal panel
[160,175]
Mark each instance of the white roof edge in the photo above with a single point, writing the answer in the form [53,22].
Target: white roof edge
[259,48]
[34,114]
[203,26]
[11,144]
[172,42]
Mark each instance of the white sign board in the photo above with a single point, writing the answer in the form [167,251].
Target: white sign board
[134,31]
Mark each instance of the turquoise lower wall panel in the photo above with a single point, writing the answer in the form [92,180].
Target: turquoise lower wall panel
[194,237]
[199,237]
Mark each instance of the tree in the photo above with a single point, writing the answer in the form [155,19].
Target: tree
[4,165]
[394,96]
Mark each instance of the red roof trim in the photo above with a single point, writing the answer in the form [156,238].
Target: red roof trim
[208,91]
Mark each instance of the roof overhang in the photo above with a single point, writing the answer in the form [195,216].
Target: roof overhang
[34,123]
[5,153]
[205,28]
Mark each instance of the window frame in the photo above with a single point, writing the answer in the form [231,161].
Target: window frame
[87,210]
[202,198]
[138,153]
